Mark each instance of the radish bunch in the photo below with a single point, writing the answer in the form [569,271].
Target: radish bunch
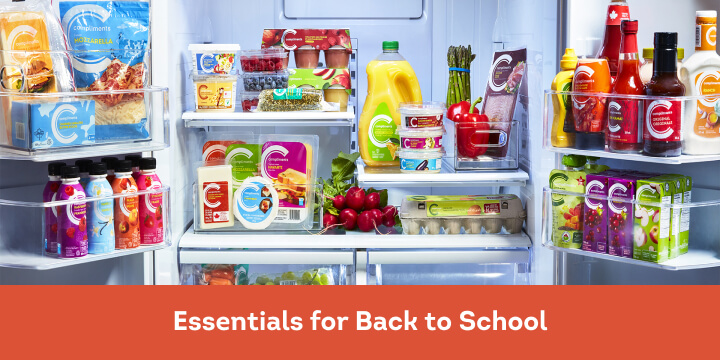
[351,207]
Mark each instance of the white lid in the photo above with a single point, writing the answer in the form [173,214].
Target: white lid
[421,154]
[250,214]
[706,13]
[420,133]
[214,47]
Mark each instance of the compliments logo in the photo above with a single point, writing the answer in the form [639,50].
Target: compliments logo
[56,120]
[657,104]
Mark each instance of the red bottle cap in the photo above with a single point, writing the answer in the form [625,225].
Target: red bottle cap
[629,26]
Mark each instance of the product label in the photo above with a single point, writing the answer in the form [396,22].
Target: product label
[151,216]
[101,232]
[419,122]
[422,143]
[72,223]
[651,235]
[589,111]
[51,226]
[215,63]
[620,218]
[216,196]
[595,217]
[286,164]
[616,14]
[706,37]
[708,110]
[420,165]
[244,159]
[291,39]
[382,139]
[462,208]
[287,94]
[663,120]
[623,121]
[215,150]
[127,214]
[255,203]
[213,95]
[567,225]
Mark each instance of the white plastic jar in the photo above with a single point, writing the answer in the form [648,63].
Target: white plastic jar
[422,115]
[420,139]
[429,162]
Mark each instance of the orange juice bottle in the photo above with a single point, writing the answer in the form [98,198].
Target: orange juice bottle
[127,209]
[391,81]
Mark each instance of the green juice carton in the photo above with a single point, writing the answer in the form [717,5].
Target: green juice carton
[677,189]
[652,217]
[567,210]
[685,217]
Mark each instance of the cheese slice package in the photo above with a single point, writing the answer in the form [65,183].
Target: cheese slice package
[30,41]
[290,162]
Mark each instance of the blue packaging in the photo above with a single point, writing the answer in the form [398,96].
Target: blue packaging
[120,26]
[52,124]
[101,229]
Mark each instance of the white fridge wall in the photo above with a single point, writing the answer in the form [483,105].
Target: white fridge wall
[585,21]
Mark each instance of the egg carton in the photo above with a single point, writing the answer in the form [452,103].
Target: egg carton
[451,215]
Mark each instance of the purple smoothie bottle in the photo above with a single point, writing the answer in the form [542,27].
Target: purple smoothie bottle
[72,218]
[49,195]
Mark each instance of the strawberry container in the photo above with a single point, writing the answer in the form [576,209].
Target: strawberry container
[271,59]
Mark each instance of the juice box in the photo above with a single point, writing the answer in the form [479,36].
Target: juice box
[651,232]
[567,210]
[595,213]
[677,189]
[685,217]
[620,216]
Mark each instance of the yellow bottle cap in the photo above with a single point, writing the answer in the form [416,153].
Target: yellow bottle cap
[648,53]
[681,53]
[569,60]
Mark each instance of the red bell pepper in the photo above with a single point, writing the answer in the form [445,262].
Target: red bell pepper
[472,132]
[462,107]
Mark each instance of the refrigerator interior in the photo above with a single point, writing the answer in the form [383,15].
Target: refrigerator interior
[583,30]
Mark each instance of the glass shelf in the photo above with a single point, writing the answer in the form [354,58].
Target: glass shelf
[296,118]
[22,234]
[391,177]
[133,126]
[703,246]
[707,151]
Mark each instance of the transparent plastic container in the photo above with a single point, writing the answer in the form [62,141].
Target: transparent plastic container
[420,139]
[213,59]
[425,161]
[215,93]
[249,100]
[265,272]
[23,236]
[486,146]
[270,59]
[258,81]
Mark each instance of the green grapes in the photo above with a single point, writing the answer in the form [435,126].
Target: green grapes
[324,280]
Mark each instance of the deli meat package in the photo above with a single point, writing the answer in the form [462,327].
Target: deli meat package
[505,83]
[110,39]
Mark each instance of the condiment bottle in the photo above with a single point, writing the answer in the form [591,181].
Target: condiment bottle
[624,130]
[618,10]
[701,76]
[563,130]
[663,117]
[646,70]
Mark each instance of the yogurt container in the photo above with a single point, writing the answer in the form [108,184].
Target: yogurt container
[213,59]
[422,115]
[215,93]
[420,139]
[429,162]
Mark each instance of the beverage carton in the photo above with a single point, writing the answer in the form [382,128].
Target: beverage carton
[685,217]
[621,212]
[595,236]
[677,189]
[651,233]
[567,210]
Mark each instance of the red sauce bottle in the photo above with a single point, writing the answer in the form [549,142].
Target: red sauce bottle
[618,10]
[624,127]
[662,128]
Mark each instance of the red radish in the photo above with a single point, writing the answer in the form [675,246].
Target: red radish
[365,221]
[389,212]
[339,202]
[355,200]
[372,201]
[389,222]
[330,220]
[377,216]
[348,219]
[351,191]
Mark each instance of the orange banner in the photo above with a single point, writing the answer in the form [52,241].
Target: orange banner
[404,322]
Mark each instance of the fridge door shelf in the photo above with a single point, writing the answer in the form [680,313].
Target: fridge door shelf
[67,125]
[340,239]
[703,252]
[391,177]
[338,265]
[295,118]
[22,234]
[449,267]
[551,101]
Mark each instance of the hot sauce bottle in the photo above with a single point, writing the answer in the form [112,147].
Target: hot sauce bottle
[618,10]
[624,128]
[663,117]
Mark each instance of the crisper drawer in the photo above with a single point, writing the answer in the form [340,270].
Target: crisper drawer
[449,267]
[267,267]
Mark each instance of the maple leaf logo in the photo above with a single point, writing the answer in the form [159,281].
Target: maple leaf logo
[613,15]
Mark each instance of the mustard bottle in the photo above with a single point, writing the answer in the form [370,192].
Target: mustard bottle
[560,134]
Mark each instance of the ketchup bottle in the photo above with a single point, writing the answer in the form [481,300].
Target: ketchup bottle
[663,117]
[618,11]
[624,127]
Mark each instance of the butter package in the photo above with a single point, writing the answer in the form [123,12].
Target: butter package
[53,124]
[290,163]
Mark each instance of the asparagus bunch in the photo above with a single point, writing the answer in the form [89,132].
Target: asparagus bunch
[459,84]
